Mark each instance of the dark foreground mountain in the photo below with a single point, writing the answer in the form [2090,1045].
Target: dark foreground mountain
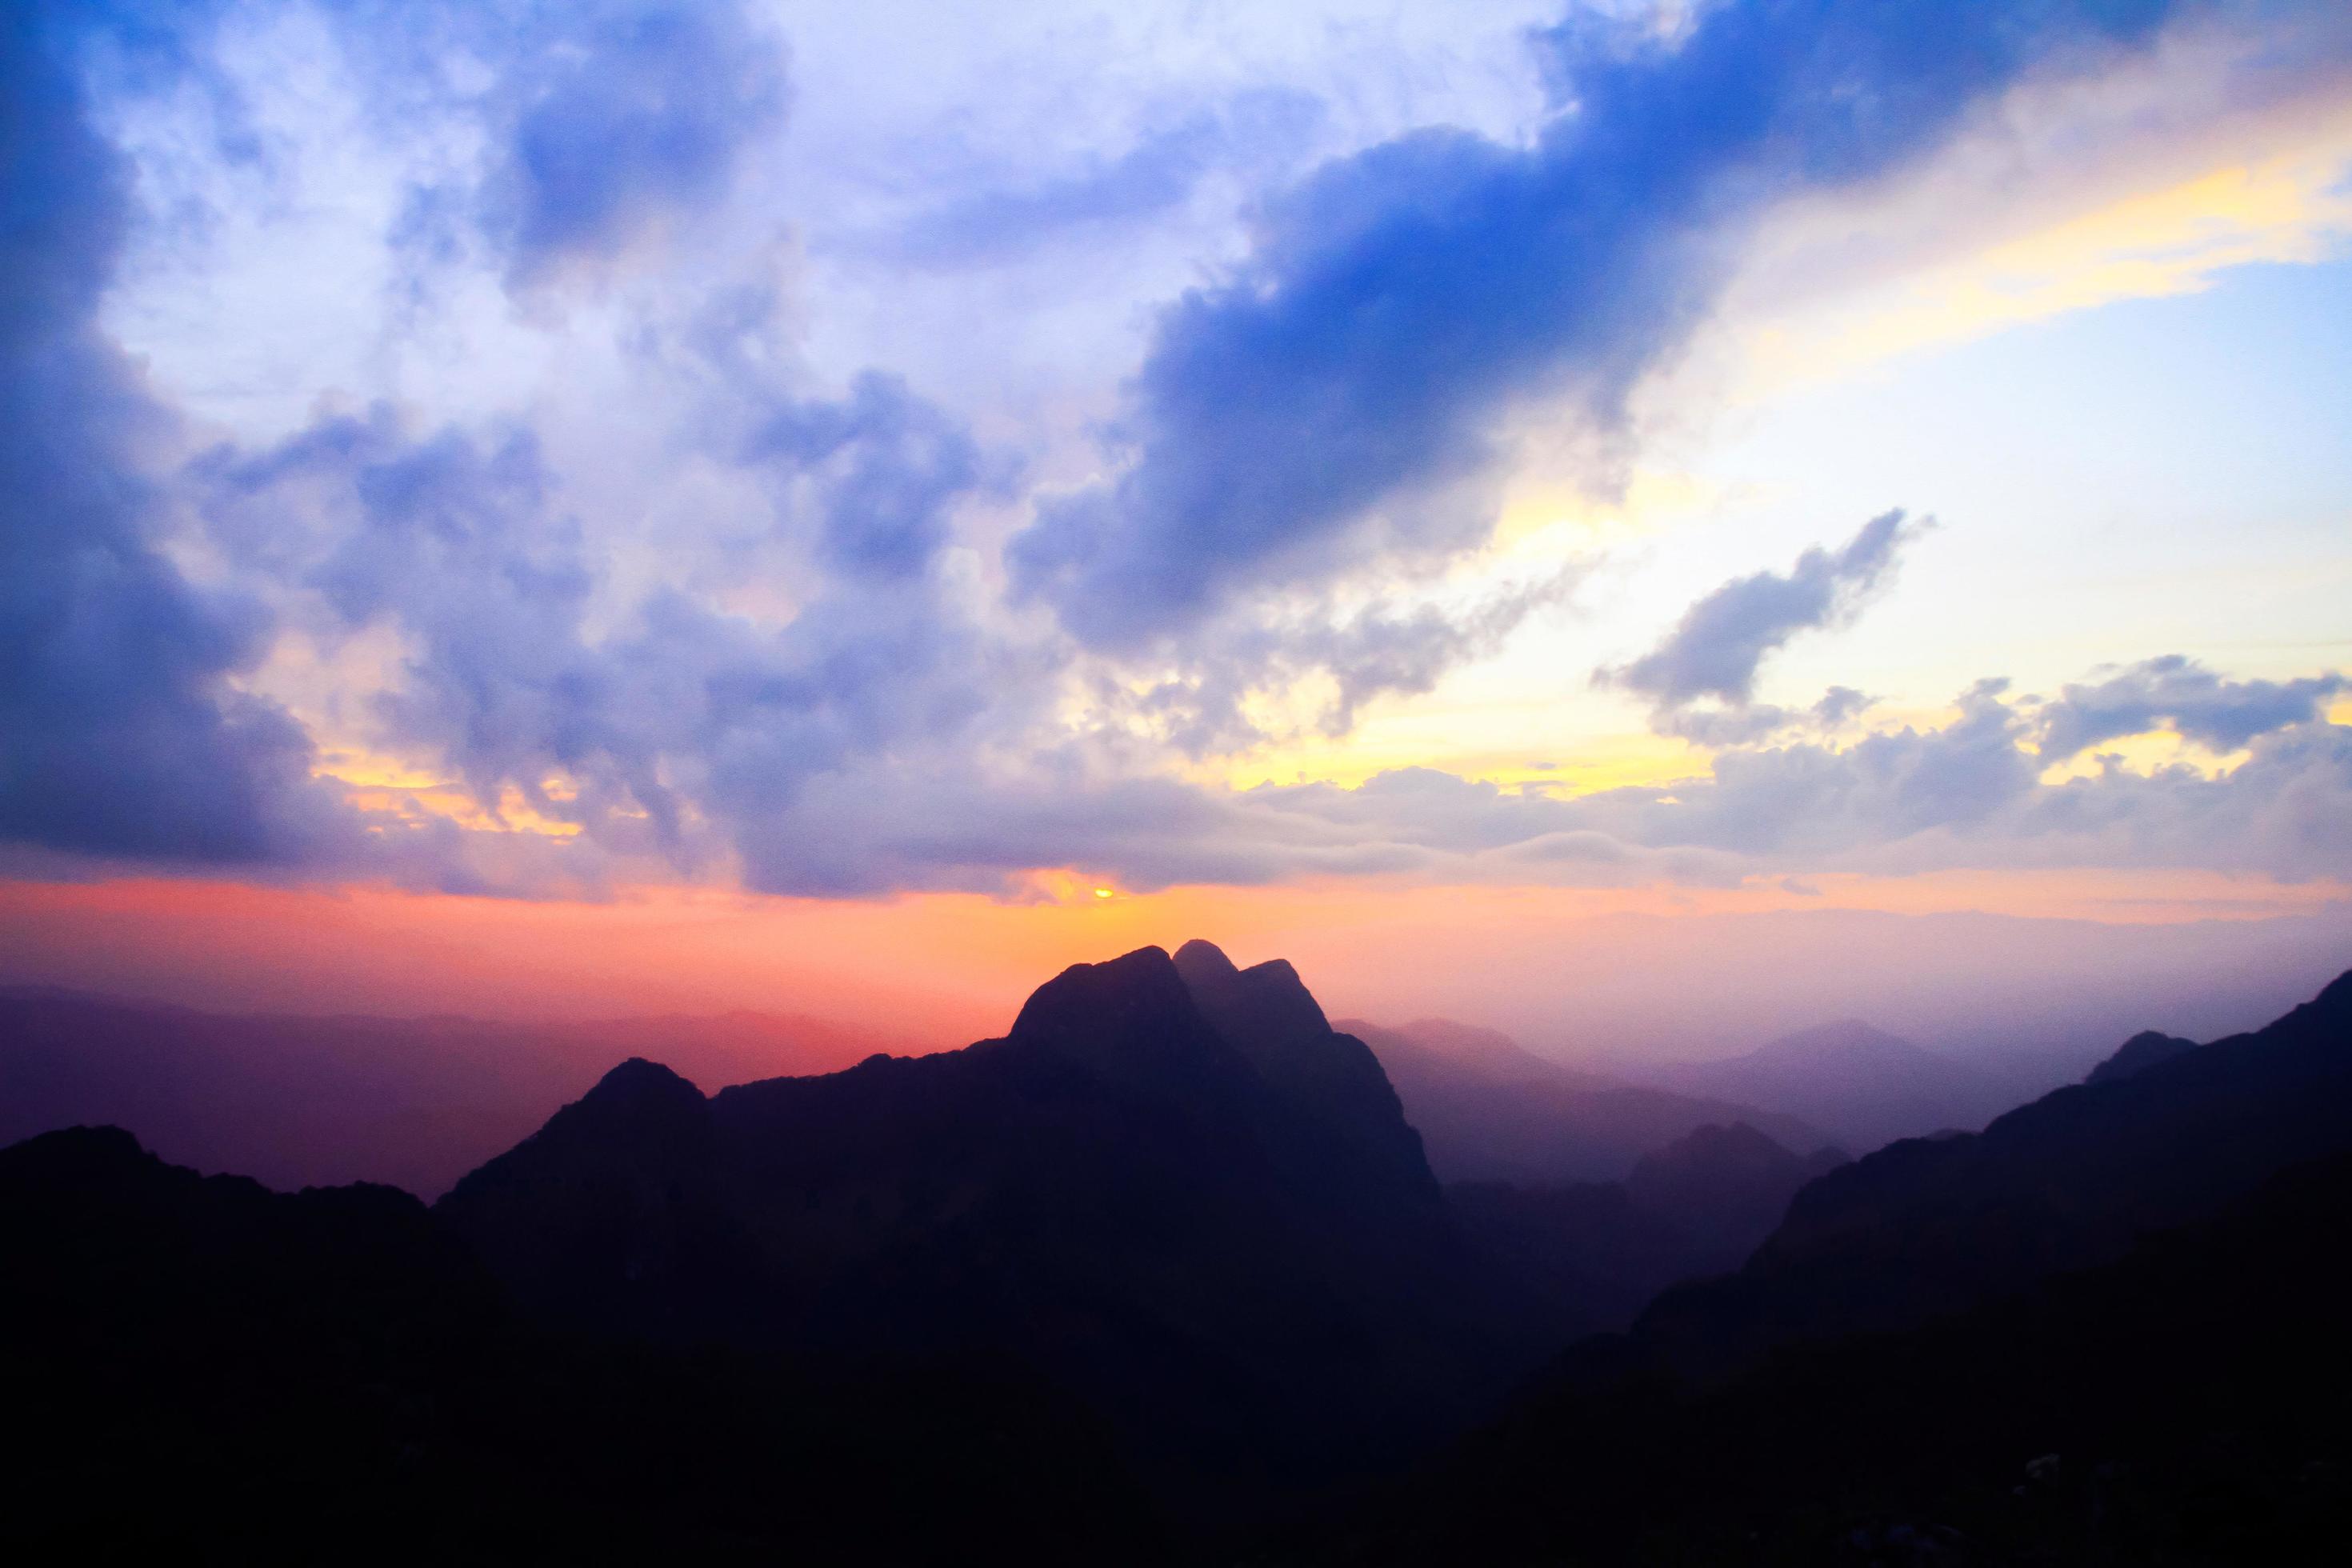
[303,1101]
[1865,1086]
[1927,1226]
[197,1369]
[2139,1277]
[2183,1405]
[1490,1111]
[1207,1220]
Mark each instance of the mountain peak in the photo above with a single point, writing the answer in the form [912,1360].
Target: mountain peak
[1130,1018]
[638,1081]
[1198,960]
[81,1152]
[1265,1004]
[2139,1053]
[1715,1154]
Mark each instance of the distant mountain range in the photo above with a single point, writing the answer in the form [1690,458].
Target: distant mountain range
[1595,1253]
[1490,1111]
[305,1101]
[1926,1225]
[2107,1329]
[1866,1087]
[2142,1051]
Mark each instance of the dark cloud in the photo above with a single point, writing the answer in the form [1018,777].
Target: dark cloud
[604,123]
[631,116]
[1321,405]
[1160,170]
[1715,649]
[887,467]
[122,732]
[2176,693]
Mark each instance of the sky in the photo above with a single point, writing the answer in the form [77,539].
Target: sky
[572,508]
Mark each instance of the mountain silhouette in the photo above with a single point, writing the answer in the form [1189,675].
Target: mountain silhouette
[200,1369]
[2107,1329]
[2180,1404]
[1490,1111]
[321,1101]
[1595,1253]
[1725,1188]
[1162,1274]
[1865,1086]
[1925,1227]
[2140,1052]
[1332,1081]
[1209,1222]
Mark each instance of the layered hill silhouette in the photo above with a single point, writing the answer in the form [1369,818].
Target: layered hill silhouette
[1927,1226]
[2143,1050]
[2180,1405]
[1171,1188]
[1866,1087]
[318,1102]
[2095,1331]
[1490,1111]
[1595,1253]
[199,1368]
[1164,1272]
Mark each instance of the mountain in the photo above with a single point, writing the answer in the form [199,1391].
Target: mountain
[1725,1188]
[2103,1330]
[1206,1220]
[1866,1086]
[2140,1052]
[313,1102]
[1489,1110]
[1925,1227]
[1161,1275]
[1332,1081]
[2181,1403]
[1595,1253]
[200,1369]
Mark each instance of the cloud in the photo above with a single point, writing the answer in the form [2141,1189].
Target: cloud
[1329,401]
[588,133]
[1715,649]
[1160,170]
[887,467]
[660,726]
[122,732]
[637,115]
[2177,693]
[779,655]
[1214,704]
[1965,795]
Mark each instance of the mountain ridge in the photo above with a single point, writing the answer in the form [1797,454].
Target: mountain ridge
[1112,1192]
[1865,1086]
[1496,1111]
